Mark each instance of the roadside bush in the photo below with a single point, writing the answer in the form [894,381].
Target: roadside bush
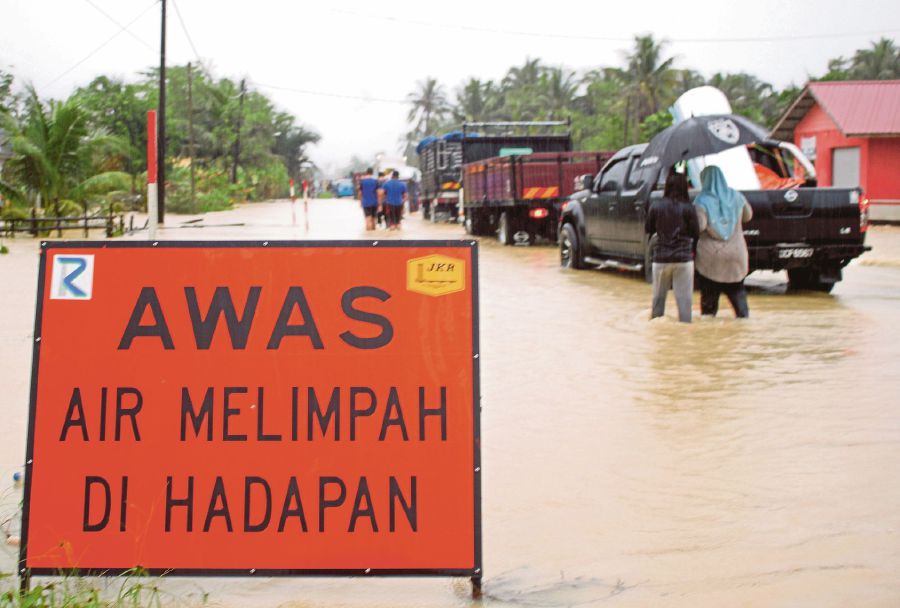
[13,212]
[65,208]
[214,190]
[269,181]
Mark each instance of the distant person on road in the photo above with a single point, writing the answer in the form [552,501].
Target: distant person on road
[722,258]
[395,194]
[674,221]
[368,194]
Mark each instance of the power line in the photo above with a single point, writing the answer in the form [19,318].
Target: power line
[121,27]
[96,50]
[568,36]
[187,35]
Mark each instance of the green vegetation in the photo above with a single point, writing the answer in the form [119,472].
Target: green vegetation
[226,144]
[134,589]
[612,107]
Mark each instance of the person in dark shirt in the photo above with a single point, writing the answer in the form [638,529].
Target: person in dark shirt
[368,194]
[395,194]
[674,221]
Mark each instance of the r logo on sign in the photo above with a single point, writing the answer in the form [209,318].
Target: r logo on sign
[73,277]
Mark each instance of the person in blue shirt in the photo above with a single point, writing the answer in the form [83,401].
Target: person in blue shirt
[368,194]
[395,194]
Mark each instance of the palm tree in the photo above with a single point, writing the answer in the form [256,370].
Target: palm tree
[648,80]
[686,80]
[650,77]
[53,154]
[520,89]
[477,101]
[748,95]
[559,88]
[881,62]
[429,106]
[526,76]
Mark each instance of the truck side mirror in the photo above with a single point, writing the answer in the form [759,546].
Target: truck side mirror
[584,182]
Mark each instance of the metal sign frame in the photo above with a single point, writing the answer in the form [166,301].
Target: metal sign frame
[475,573]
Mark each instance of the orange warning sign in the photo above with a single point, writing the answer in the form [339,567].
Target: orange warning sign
[236,408]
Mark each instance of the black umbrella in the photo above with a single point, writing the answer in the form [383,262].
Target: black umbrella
[699,136]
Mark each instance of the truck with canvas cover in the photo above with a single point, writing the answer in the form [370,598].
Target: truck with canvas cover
[441,158]
[520,196]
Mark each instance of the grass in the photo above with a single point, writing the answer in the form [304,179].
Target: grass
[134,589]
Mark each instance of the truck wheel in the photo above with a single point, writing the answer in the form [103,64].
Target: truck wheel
[505,230]
[474,222]
[469,223]
[808,279]
[648,259]
[569,254]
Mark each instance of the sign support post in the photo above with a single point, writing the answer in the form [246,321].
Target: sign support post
[293,205]
[306,204]
[152,190]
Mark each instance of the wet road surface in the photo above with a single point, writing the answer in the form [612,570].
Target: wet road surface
[626,462]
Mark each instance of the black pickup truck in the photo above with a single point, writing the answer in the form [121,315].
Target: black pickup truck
[810,232]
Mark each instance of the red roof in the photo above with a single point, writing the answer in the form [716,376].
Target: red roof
[857,107]
[861,107]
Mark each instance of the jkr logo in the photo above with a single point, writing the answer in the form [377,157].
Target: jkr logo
[435,275]
[73,277]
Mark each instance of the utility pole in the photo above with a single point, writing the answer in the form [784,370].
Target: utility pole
[191,134]
[237,137]
[161,126]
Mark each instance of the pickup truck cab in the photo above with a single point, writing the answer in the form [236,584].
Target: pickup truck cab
[810,232]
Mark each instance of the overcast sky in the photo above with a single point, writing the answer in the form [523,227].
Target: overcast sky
[351,64]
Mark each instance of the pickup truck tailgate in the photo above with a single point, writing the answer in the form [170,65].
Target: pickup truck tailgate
[816,216]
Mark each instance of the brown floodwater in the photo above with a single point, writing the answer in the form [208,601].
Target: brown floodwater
[625,462]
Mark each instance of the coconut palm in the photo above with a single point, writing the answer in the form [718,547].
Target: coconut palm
[429,106]
[648,81]
[748,95]
[881,62]
[477,101]
[53,155]
[650,77]
[521,90]
[687,79]
[526,76]
[558,91]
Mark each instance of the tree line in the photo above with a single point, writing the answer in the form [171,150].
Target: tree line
[226,143]
[611,107]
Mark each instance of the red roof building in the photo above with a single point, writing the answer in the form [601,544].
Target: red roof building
[851,131]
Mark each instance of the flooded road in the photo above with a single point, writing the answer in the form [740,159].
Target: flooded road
[626,462]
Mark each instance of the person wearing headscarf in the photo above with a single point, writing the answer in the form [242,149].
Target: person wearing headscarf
[722,260]
[673,219]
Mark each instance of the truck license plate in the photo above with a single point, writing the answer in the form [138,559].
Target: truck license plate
[795,253]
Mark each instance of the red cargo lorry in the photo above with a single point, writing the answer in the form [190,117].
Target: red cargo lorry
[520,196]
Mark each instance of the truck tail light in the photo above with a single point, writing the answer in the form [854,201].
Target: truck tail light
[538,213]
[863,214]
